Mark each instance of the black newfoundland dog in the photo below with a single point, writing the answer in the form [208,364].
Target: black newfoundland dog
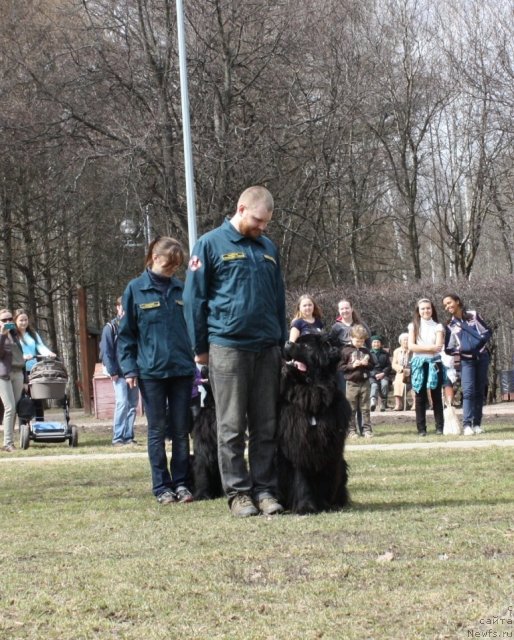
[314,417]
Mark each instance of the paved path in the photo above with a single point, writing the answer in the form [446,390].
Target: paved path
[452,444]
[472,443]
[504,410]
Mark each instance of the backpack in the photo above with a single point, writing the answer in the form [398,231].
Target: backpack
[114,329]
[471,339]
[25,408]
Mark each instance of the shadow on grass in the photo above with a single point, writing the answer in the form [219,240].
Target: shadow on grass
[434,504]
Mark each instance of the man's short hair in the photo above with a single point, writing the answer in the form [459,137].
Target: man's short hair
[257,194]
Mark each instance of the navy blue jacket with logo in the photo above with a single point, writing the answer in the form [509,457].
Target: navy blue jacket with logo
[152,340]
[234,294]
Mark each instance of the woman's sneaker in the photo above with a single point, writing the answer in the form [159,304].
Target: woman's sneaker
[477,430]
[468,431]
[183,494]
[166,497]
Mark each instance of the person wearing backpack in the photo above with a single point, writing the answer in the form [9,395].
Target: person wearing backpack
[126,397]
[467,335]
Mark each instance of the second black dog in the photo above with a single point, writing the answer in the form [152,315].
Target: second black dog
[205,470]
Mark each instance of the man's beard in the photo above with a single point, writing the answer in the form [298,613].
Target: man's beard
[245,229]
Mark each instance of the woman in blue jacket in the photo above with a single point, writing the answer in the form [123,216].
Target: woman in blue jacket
[154,352]
[467,335]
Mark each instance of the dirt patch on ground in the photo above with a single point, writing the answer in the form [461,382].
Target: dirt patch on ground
[493,414]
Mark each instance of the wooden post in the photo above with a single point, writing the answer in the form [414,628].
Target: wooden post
[85,366]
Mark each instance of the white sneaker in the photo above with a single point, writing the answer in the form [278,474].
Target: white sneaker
[468,431]
[478,430]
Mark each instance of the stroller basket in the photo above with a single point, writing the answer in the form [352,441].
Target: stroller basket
[47,389]
[48,380]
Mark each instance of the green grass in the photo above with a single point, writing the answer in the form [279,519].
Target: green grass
[93,439]
[388,429]
[86,553]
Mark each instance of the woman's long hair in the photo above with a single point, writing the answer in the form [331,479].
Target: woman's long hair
[316,312]
[458,300]
[416,320]
[356,318]
[32,332]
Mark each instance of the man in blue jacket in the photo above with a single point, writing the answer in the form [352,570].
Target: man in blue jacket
[234,304]
[126,398]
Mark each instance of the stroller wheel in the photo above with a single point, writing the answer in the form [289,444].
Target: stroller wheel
[24,436]
[74,438]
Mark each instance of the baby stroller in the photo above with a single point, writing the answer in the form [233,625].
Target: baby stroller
[47,381]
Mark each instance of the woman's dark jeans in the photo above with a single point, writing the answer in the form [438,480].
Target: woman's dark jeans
[166,403]
[473,379]
[421,403]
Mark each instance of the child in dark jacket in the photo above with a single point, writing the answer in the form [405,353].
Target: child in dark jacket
[356,364]
[380,373]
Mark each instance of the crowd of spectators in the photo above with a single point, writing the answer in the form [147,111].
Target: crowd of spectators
[432,359]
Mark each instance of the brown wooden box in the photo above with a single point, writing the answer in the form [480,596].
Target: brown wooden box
[103,395]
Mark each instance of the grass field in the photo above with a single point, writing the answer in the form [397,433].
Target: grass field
[426,551]
[94,438]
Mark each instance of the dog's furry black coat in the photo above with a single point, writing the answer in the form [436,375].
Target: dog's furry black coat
[205,470]
[313,422]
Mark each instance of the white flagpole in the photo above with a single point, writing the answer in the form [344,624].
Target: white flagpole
[186,128]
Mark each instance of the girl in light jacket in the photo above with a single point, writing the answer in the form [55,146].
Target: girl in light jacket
[31,345]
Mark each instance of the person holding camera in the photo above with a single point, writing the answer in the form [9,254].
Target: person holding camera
[357,365]
[426,340]
[13,375]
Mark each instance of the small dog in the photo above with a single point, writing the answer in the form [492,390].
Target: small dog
[205,470]
[451,422]
[313,421]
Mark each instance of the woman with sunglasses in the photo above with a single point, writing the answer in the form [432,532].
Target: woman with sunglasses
[13,375]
